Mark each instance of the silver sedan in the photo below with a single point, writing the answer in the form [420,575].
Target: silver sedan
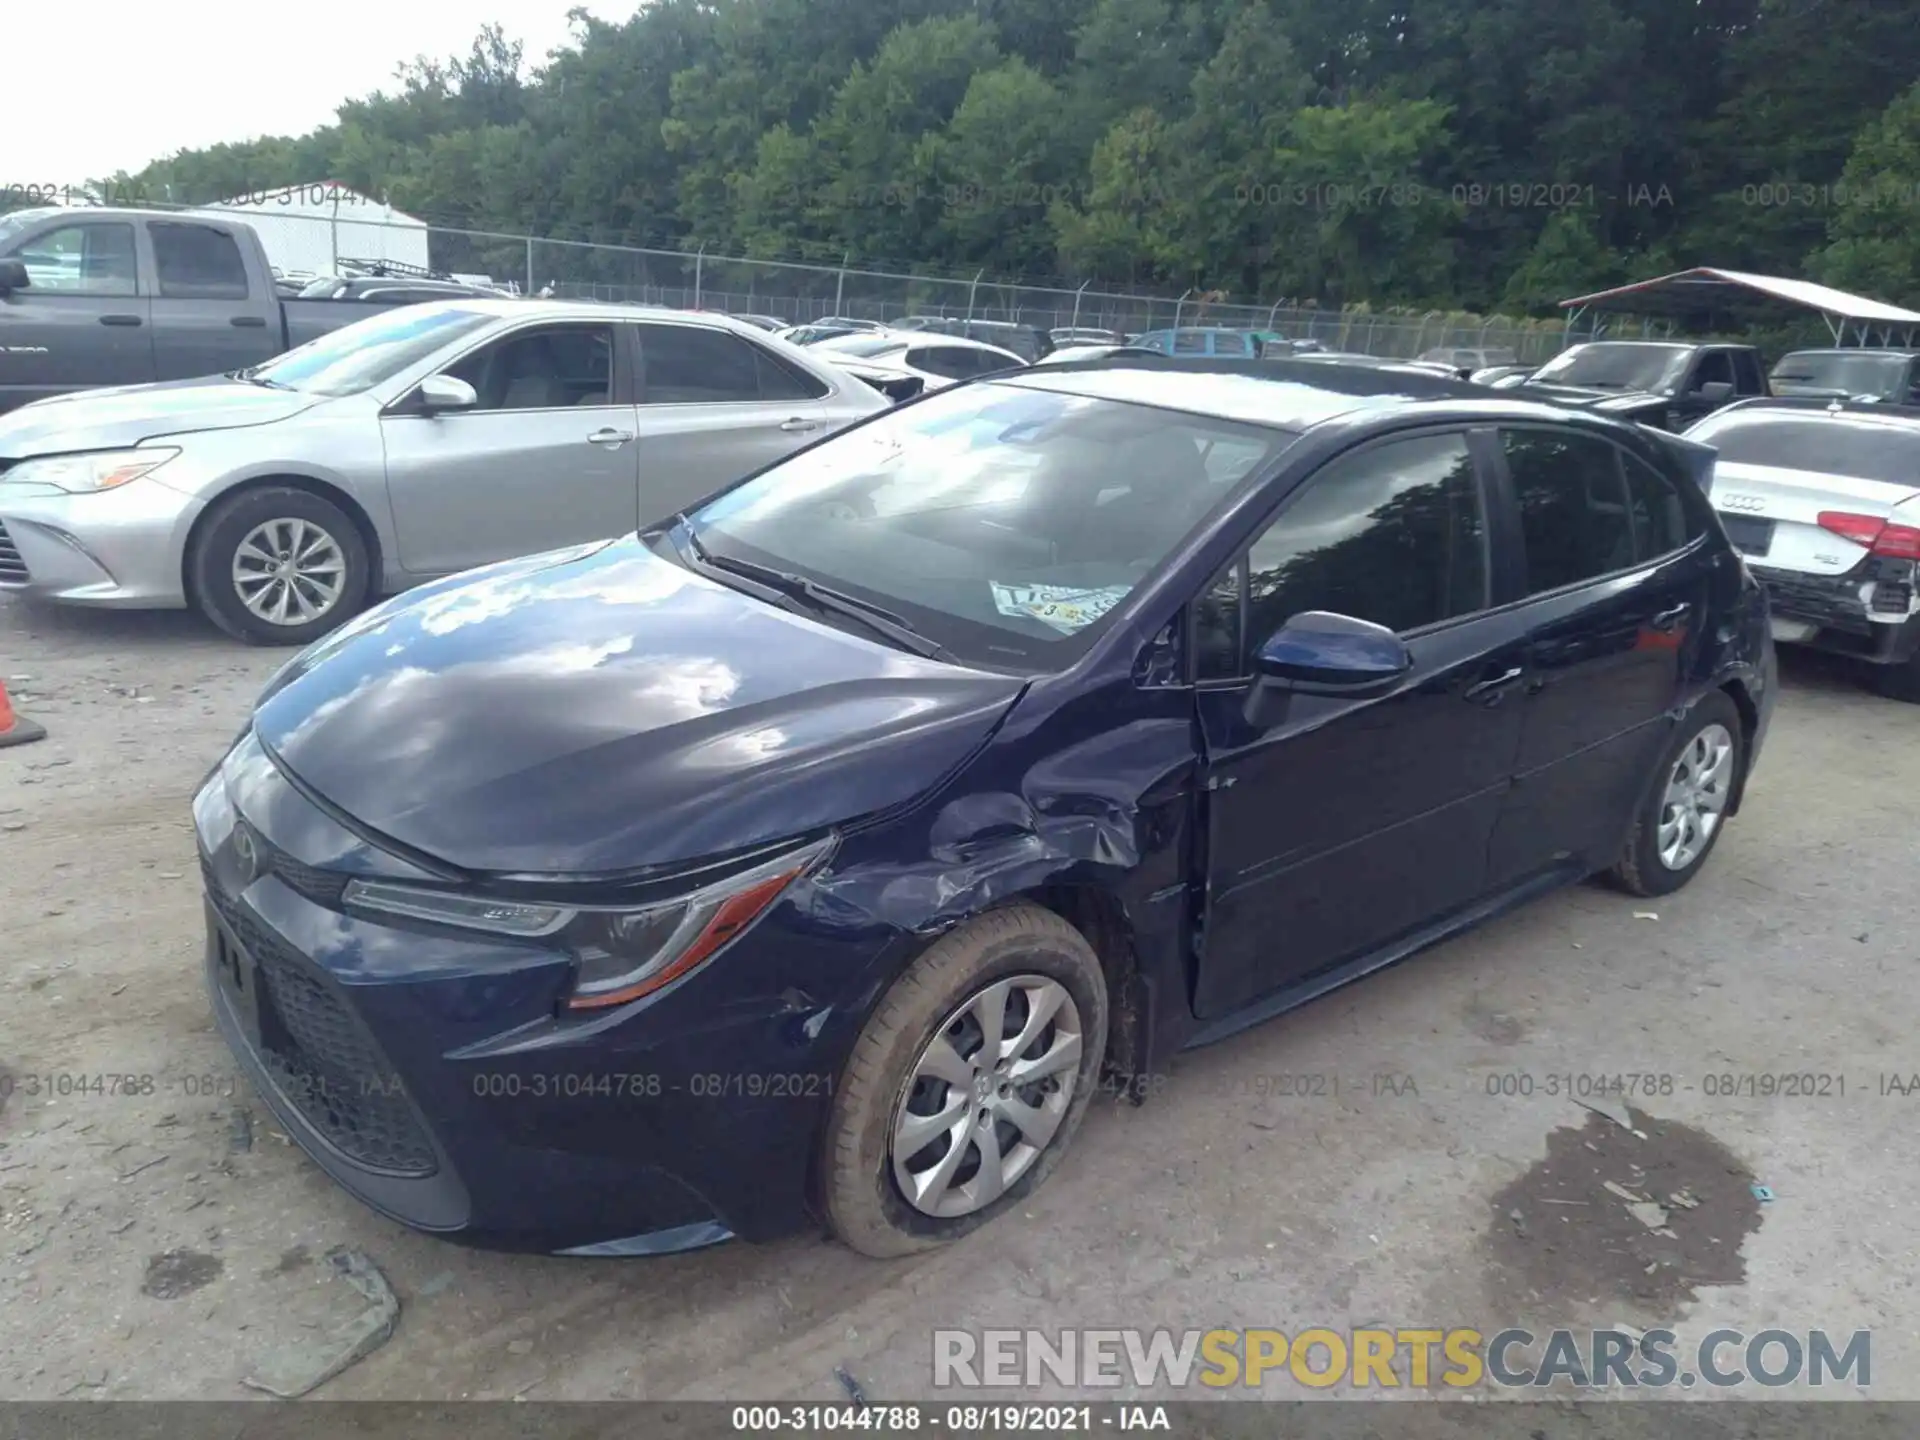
[413,444]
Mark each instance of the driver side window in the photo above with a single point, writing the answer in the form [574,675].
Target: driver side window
[1715,368]
[1394,533]
[553,367]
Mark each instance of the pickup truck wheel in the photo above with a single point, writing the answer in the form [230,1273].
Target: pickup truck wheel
[967,1084]
[1682,818]
[278,566]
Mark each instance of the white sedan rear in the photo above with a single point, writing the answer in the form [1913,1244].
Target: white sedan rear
[937,360]
[1824,503]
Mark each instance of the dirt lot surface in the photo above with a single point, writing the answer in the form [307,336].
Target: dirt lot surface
[167,1241]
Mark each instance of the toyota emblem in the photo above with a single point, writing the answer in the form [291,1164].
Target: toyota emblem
[246,854]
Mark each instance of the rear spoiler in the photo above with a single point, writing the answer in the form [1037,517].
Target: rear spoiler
[1697,458]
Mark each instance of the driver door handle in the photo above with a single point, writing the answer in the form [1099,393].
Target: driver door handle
[1668,619]
[1489,692]
[609,438]
[799,425]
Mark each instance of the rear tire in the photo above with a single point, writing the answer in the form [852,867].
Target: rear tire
[1682,818]
[1031,959]
[278,566]
[1900,682]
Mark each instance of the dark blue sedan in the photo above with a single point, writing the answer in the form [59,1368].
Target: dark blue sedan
[815,856]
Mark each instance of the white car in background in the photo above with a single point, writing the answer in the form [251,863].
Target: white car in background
[1823,500]
[936,361]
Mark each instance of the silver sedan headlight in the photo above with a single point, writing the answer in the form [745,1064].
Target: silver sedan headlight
[91,472]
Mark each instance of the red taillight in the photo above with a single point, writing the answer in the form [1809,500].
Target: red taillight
[1901,542]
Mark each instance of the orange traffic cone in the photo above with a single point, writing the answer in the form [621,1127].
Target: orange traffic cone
[15,730]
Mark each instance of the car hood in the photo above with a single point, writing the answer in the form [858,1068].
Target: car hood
[600,710]
[128,414]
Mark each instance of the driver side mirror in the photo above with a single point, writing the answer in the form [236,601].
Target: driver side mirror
[446,392]
[1321,653]
[13,276]
[1714,392]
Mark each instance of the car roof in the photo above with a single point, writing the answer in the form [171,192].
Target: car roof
[1851,350]
[509,307]
[1284,394]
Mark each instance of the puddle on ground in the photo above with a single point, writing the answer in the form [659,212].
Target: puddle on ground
[179,1272]
[1561,1237]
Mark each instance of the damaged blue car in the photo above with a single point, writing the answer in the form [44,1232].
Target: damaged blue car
[814,857]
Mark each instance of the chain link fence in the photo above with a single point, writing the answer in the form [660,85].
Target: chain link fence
[798,292]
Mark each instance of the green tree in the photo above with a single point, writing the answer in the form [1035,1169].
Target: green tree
[1872,239]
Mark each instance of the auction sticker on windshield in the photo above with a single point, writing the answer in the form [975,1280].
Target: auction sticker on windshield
[1066,608]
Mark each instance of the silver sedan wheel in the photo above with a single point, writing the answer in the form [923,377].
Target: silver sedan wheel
[1696,798]
[289,572]
[986,1095]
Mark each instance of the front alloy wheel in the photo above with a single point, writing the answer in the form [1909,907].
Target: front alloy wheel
[277,565]
[986,1095]
[289,572]
[966,1083]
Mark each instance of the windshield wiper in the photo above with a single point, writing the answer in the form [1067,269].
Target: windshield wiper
[877,619]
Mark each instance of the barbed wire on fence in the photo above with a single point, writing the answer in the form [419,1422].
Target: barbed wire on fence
[800,291]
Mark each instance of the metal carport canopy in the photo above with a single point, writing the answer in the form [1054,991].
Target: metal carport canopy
[1705,288]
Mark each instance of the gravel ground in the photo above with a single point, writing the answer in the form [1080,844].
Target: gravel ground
[167,1242]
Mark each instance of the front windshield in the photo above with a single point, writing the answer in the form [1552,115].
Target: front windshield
[12,225]
[359,356]
[1878,375]
[1002,521]
[1617,365]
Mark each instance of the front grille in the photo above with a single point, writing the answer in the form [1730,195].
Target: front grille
[13,570]
[321,1058]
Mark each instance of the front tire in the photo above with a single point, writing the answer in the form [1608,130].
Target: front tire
[1680,821]
[939,1125]
[278,566]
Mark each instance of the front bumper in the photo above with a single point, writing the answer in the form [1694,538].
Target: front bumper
[121,548]
[430,1073]
[1869,612]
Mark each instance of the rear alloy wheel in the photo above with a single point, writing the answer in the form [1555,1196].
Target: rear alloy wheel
[279,567]
[967,1084]
[1687,810]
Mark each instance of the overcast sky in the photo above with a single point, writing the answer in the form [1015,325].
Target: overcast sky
[89,92]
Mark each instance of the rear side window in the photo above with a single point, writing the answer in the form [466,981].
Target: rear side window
[1746,366]
[1659,517]
[1393,533]
[1187,342]
[781,381]
[692,365]
[1572,498]
[197,262]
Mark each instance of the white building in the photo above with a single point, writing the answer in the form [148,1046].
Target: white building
[315,227]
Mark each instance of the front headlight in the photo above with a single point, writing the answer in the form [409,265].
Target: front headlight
[87,474]
[622,954]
